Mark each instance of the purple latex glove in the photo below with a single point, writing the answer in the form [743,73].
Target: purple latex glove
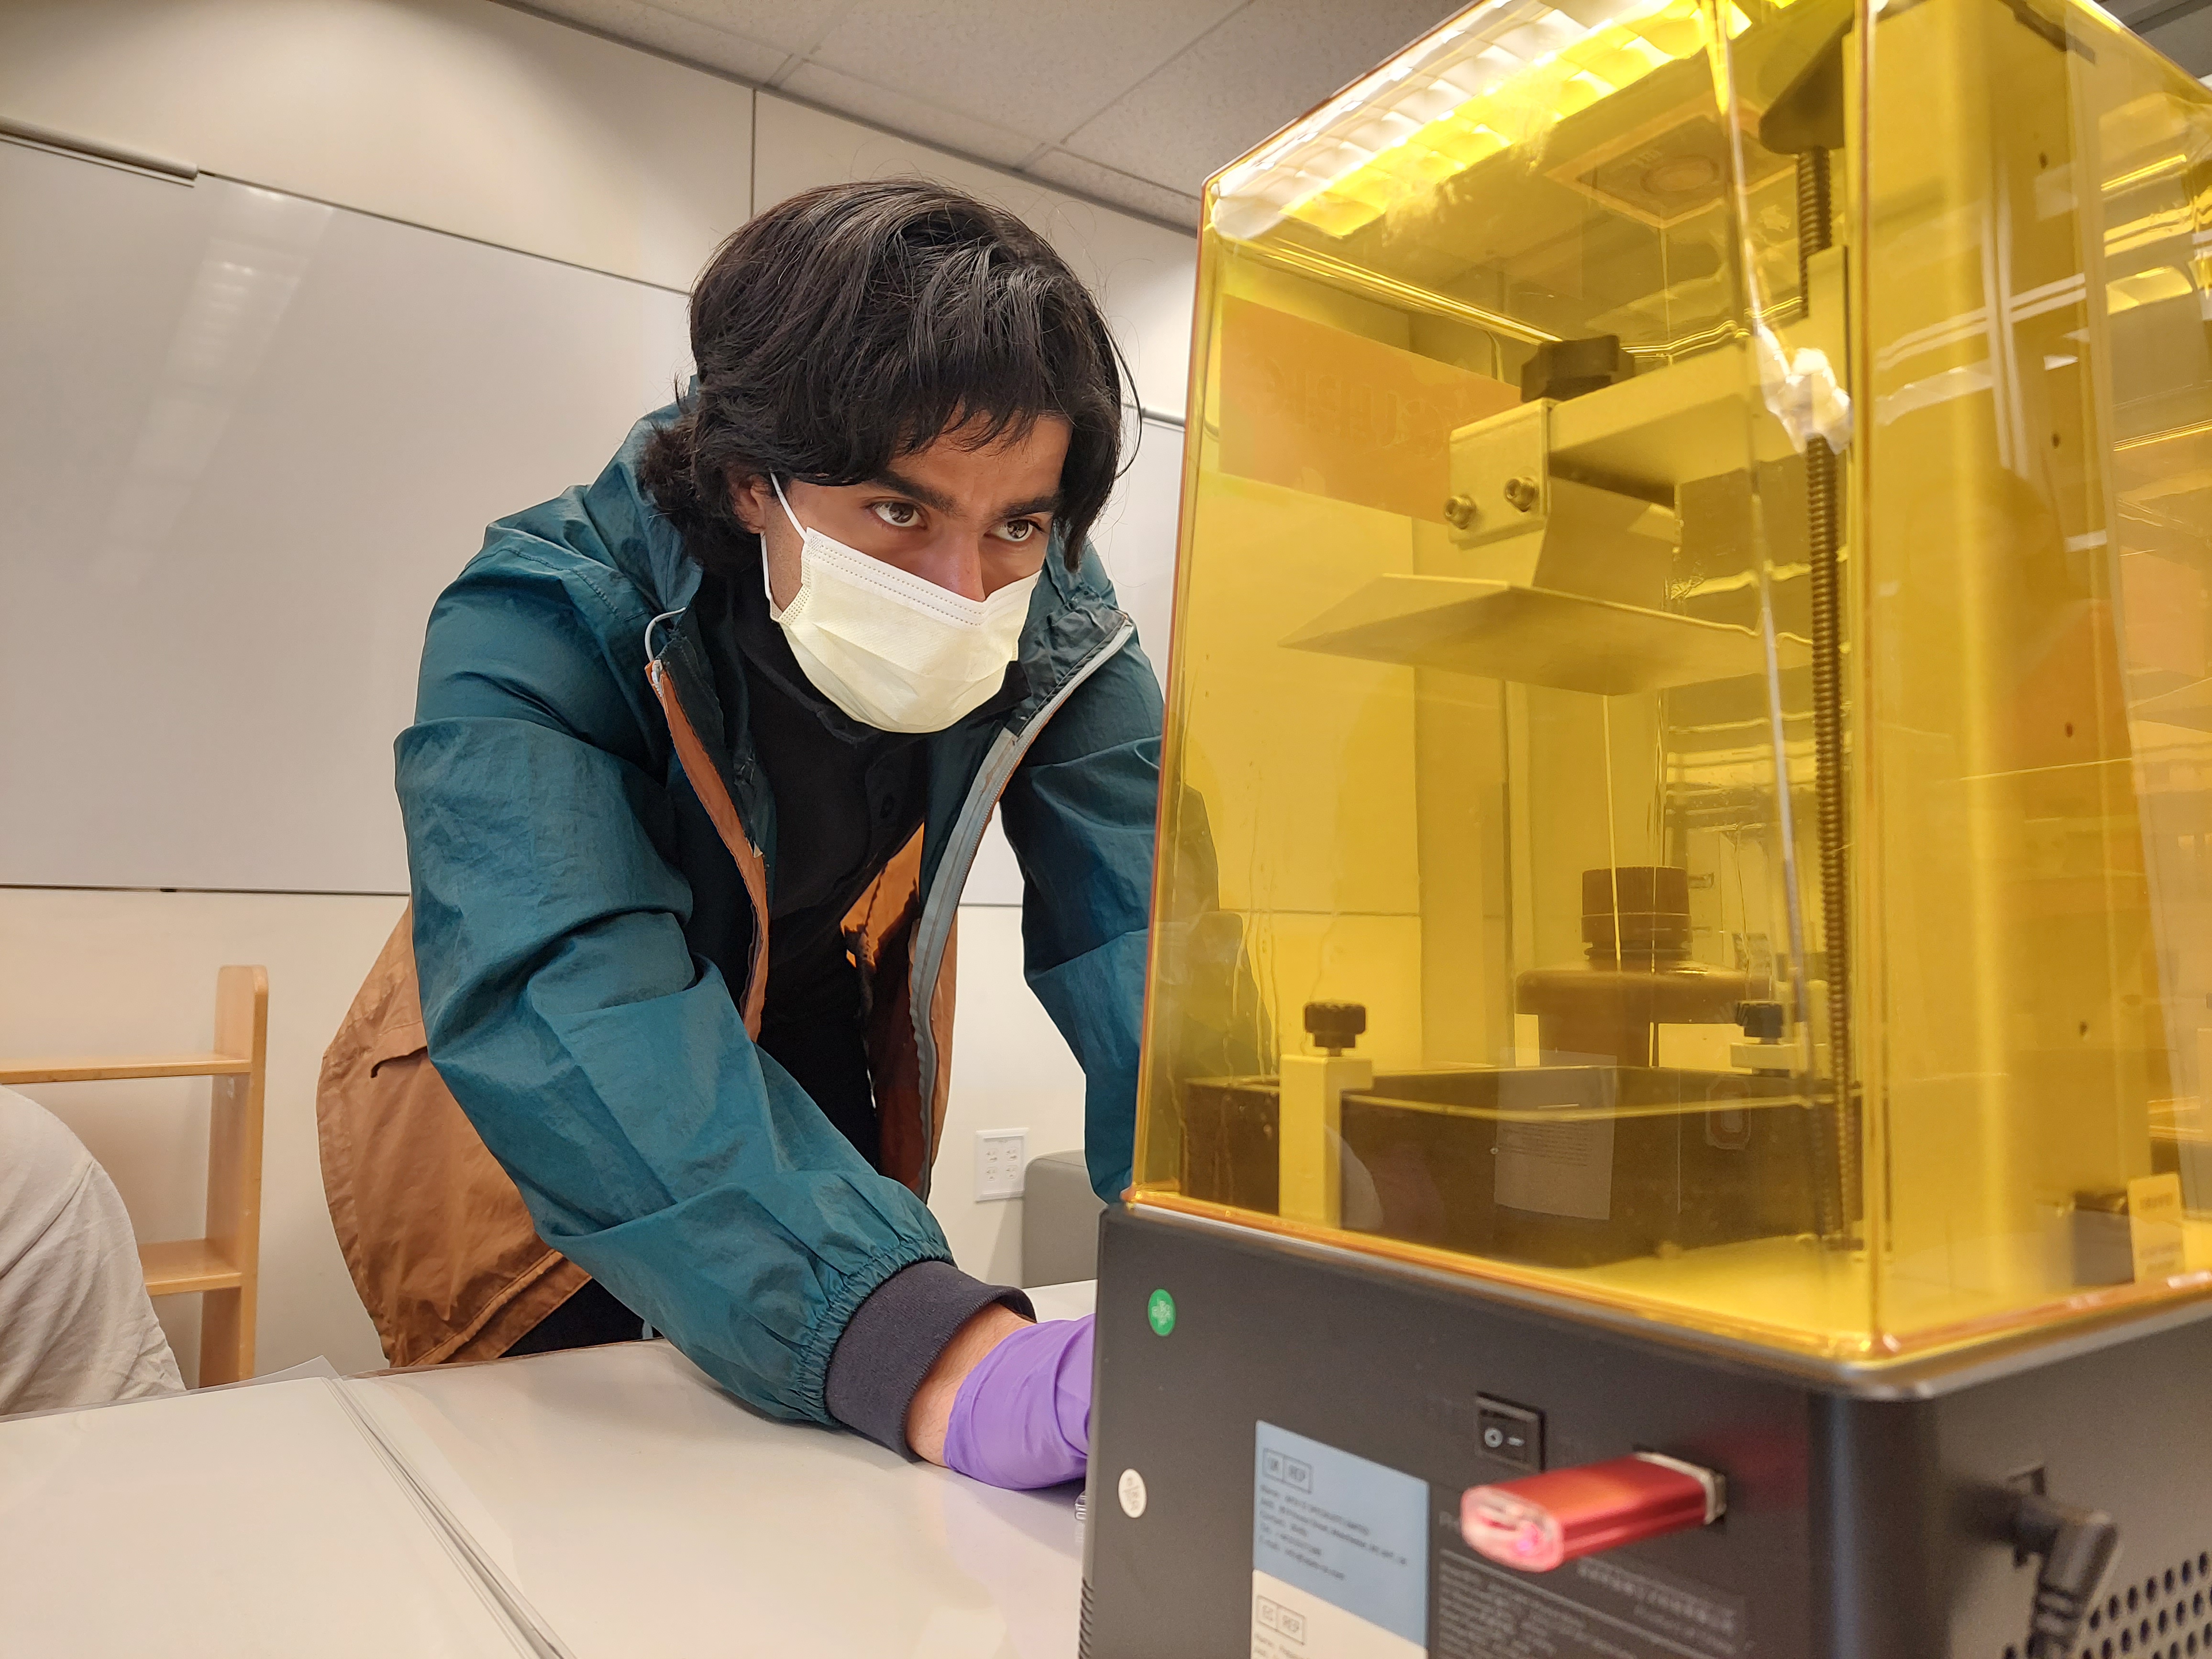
[1022,1419]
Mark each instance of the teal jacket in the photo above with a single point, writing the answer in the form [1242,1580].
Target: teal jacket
[587,924]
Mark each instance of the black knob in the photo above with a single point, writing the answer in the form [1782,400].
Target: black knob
[1761,1021]
[1335,1026]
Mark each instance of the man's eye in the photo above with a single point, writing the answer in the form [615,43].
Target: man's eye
[900,515]
[1017,531]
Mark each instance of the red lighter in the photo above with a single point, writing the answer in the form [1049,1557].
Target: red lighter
[1537,1523]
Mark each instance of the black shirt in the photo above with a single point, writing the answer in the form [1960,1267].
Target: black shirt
[848,796]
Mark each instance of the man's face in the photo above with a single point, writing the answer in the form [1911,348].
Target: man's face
[972,521]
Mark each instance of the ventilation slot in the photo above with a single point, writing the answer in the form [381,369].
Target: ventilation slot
[2162,1615]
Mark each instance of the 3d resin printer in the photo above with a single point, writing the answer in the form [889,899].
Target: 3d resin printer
[1680,1008]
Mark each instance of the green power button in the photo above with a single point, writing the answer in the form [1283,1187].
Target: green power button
[1161,1311]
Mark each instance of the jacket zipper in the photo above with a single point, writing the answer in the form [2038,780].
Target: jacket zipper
[937,910]
[729,823]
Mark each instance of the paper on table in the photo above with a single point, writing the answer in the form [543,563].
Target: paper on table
[645,1513]
[318,1366]
[467,1546]
[260,1521]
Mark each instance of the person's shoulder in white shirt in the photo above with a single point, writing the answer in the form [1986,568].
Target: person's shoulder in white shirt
[76,1328]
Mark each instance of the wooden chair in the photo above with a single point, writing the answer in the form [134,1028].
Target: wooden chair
[225,1266]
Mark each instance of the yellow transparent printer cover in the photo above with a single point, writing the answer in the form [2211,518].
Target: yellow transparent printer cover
[1688,782]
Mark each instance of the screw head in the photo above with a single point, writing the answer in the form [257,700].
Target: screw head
[1521,495]
[1459,513]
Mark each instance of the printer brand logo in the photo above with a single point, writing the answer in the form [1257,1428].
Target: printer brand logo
[1160,1313]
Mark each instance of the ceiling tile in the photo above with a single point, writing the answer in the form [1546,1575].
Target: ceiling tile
[1104,184]
[1262,68]
[879,107]
[748,57]
[794,26]
[2186,39]
[1036,66]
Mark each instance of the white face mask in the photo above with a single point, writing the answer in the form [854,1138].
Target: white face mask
[890,649]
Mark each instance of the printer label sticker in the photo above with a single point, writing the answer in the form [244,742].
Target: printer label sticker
[1598,1607]
[1339,1557]
[1556,1168]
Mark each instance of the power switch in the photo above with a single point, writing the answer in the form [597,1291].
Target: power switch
[1512,1434]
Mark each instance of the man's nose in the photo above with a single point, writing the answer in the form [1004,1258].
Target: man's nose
[955,563]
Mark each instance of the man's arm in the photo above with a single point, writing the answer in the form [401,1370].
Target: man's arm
[931,1412]
[605,1066]
[1079,814]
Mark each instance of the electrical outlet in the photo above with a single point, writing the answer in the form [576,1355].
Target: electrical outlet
[1001,1155]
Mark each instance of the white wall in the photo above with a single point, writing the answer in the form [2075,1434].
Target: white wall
[84,971]
[476,119]
[1010,1070]
[192,377]
[459,115]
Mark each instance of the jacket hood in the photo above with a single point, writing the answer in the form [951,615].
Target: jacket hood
[633,535]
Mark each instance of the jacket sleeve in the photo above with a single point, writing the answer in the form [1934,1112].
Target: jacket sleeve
[605,1065]
[1078,813]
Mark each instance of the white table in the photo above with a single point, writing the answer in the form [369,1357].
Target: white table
[618,1501]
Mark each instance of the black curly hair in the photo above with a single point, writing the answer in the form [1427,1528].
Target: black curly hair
[853,324]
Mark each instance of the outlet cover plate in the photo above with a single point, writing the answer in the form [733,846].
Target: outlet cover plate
[1001,1159]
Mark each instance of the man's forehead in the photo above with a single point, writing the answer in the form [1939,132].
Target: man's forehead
[1013,473]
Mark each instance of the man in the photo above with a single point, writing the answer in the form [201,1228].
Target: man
[702,755]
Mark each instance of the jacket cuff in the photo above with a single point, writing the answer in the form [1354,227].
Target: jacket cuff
[894,1337]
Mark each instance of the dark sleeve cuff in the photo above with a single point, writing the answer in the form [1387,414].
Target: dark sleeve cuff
[894,1337]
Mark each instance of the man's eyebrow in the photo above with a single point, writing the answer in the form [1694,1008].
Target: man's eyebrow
[891,478]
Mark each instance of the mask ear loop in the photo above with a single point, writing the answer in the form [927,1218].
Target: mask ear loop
[775,612]
[776,484]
